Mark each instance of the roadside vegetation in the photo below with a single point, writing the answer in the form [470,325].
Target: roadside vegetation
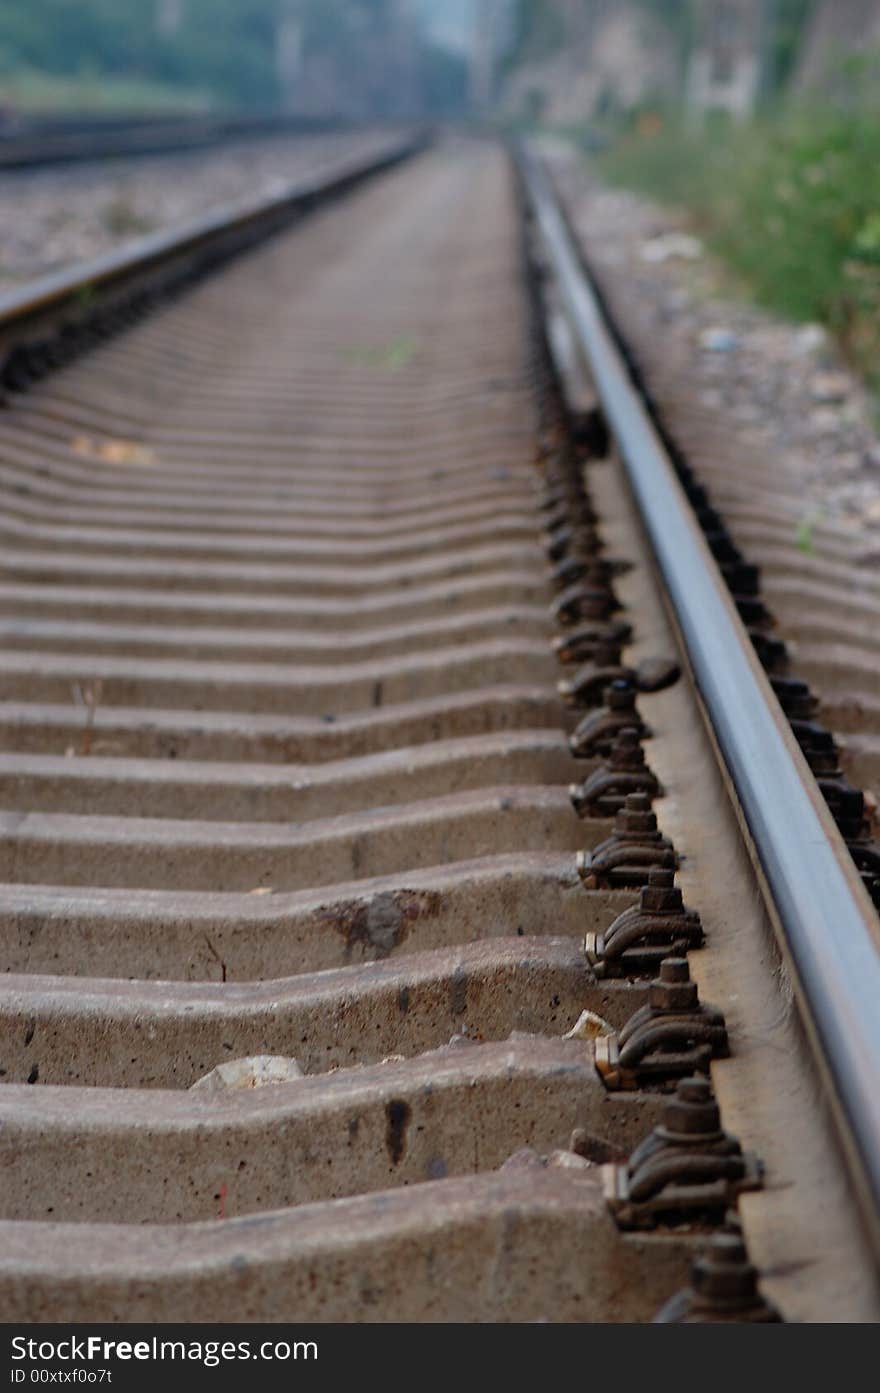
[29,91]
[791,201]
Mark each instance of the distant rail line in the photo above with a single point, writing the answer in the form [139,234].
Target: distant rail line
[31,142]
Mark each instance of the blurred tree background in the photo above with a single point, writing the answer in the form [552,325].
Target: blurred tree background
[346,57]
[569,59]
[759,117]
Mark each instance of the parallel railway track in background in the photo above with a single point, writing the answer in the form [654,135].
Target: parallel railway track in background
[30,142]
[389,786]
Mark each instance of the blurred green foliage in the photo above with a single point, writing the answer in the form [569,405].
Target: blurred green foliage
[225,48]
[30,90]
[789,24]
[223,45]
[791,202]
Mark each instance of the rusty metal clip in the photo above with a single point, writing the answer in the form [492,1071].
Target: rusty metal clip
[810,735]
[742,577]
[586,600]
[605,792]
[687,1170]
[596,733]
[580,644]
[772,652]
[719,540]
[590,429]
[560,502]
[658,927]
[819,747]
[847,803]
[589,684]
[795,698]
[627,857]
[672,1037]
[723,1289]
[560,488]
[572,568]
[570,512]
[865,851]
[584,560]
[573,540]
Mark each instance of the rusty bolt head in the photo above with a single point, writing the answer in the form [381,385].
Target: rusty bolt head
[559,497]
[723,1272]
[824,762]
[724,1286]
[675,970]
[795,697]
[561,534]
[636,818]
[698,495]
[626,752]
[752,612]
[673,990]
[721,546]
[620,695]
[600,571]
[584,602]
[572,539]
[822,739]
[692,1114]
[661,895]
[742,577]
[846,803]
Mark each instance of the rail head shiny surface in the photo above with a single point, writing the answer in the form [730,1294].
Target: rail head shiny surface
[828,922]
[63,289]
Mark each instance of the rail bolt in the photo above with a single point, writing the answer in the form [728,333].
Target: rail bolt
[659,927]
[671,1036]
[687,1170]
[605,792]
[724,1288]
[627,857]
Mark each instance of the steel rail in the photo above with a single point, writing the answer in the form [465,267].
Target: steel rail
[827,922]
[64,290]
[34,143]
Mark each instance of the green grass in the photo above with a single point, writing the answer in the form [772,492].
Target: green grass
[40,93]
[792,204]
[392,357]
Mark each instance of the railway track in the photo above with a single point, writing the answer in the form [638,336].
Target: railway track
[814,574]
[32,142]
[389,788]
